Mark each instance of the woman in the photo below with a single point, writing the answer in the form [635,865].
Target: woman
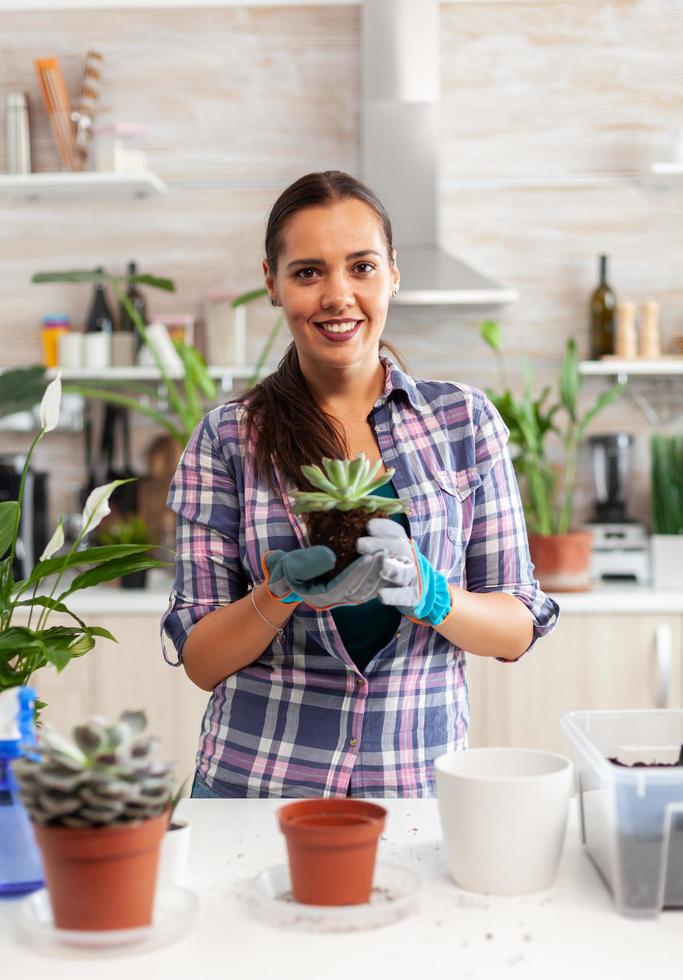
[357,700]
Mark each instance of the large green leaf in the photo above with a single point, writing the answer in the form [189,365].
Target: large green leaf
[491,335]
[570,380]
[110,570]
[89,556]
[54,604]
[90,275]
[604,399]
[21,389]
[9,513]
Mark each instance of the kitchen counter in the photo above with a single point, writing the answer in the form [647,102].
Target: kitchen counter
[602,599]
[570,931]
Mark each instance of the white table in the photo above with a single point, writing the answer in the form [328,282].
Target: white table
[571,931]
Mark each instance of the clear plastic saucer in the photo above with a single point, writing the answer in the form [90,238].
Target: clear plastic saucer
[395,894]
[173,913]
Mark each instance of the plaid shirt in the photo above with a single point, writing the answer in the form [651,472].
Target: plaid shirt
[301,720]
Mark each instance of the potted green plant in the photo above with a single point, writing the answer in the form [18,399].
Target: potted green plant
[338,509]
[26,649]
[128,530]
[332,849]
[99,805]
[666,487]
[560,551]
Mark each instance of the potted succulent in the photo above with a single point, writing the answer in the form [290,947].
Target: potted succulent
[99,806]
[560,552]
[24,649]
[128,530]
[338,509]
[332,849]
[666,485]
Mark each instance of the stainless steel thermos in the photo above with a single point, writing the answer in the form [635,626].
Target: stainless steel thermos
[17,142]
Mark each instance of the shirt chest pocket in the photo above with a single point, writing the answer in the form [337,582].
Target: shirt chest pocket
[457,488]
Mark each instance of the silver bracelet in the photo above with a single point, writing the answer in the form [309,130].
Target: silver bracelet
[280,632]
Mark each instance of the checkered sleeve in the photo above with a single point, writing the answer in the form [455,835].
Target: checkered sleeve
[497,558]
[204,497]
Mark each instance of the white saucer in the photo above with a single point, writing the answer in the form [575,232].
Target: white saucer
[172,916]
[395,894]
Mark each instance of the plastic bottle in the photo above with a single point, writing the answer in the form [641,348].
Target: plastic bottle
[21,869]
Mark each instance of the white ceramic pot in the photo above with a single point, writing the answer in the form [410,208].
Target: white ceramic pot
[666,551]
[503,817]
[174,855]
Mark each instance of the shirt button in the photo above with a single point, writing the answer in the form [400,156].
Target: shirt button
[353,741]
[360,682]
[398,632]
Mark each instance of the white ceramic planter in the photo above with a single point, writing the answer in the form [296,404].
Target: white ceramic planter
[503,817]
[666,552]
[174,855]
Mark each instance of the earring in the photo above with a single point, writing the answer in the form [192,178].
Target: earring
[273,302]
[394,293]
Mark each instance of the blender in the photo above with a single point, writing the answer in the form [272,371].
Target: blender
[620,546]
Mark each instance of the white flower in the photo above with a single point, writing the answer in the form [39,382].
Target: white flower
[55,543]
[97,505]
[50,405]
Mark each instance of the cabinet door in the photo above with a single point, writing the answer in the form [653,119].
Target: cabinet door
[129,674]
[589,662]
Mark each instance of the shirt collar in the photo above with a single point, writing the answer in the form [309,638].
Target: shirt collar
[395,381]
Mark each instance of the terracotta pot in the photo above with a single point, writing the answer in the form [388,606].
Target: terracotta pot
[562,561]
[101,877]
[332,847]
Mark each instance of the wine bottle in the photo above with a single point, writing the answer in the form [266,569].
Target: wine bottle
[602,312]
[100,319]
[98,331]
[138,301]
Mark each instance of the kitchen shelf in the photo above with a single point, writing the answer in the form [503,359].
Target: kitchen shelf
[91,184]
[623,366]
[653,385]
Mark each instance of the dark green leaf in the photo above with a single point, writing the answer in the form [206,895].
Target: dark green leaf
[159,282]
[570,380]
[89,556]
[21,389]
[9,514]
[110,570]
[75,275]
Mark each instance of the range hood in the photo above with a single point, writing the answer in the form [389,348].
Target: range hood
[399,151]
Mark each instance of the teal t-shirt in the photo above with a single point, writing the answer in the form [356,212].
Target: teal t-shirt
[365,629]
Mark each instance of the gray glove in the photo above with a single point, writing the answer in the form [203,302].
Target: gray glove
[358,583]
[421,592]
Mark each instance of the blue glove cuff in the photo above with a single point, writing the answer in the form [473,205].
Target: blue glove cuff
[435,603]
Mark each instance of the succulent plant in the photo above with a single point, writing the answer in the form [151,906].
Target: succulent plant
[346,485]
[106,776]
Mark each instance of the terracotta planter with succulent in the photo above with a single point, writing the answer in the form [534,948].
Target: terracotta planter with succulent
[100,807]
[337,511]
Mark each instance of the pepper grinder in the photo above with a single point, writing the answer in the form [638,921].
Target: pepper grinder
[17,142]
[625,344]
[650,344]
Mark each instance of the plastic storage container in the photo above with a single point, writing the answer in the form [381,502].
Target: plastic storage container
[632,818]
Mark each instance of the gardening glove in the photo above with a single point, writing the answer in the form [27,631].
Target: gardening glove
[357,583]
[287,571]
[422,594]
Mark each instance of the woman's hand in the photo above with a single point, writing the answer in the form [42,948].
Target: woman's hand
[422,593]
[293,576]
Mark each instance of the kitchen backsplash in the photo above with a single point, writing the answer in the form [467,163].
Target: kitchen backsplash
[547,110]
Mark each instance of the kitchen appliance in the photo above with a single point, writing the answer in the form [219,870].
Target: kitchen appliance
[620,550]
[33,528]
[400,90]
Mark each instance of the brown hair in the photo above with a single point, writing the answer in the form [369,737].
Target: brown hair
[277,406]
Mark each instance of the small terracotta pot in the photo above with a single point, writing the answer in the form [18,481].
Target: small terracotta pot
[332,847]
[101,877]
[562,561]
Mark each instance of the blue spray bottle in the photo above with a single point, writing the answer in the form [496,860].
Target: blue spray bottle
[21,869]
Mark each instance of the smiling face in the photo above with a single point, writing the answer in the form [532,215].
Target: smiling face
[334,282]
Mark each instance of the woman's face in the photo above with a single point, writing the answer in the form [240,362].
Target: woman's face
[334,282]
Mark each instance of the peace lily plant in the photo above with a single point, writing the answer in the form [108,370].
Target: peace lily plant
[25,649]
